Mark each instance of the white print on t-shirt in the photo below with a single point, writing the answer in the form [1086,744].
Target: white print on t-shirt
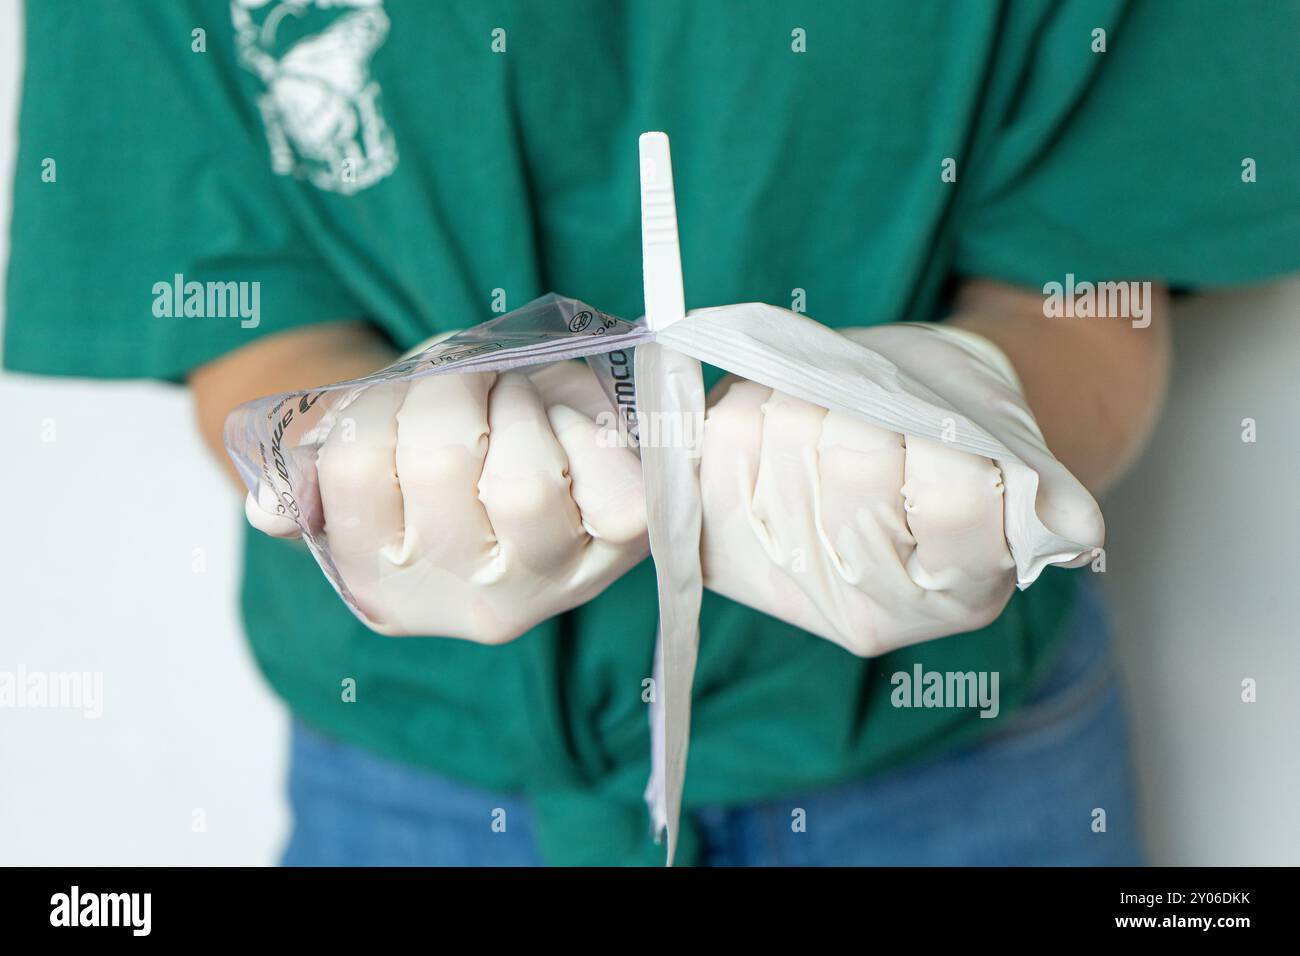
[321,107]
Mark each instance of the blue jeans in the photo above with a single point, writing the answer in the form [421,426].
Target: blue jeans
[1025,795]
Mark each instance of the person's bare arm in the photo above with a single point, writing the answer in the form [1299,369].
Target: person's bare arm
[296,359]
[1096,385]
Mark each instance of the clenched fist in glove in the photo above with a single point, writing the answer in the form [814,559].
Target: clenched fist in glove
[861,535]
[476,505]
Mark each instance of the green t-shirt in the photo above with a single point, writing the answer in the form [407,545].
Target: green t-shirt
[417,164]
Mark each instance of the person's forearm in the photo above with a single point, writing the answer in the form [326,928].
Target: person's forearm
[1095,385]
[297,359]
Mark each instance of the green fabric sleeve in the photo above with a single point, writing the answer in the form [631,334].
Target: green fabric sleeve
[160,168]
[1128,163]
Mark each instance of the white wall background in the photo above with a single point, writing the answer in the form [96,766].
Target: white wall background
[1201,567]
[97,573]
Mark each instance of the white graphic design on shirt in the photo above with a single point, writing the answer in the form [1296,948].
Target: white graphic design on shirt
[321,107]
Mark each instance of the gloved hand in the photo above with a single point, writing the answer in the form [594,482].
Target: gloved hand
[858,534]
[476,505]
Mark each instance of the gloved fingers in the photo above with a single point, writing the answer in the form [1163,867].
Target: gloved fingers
[828,490]
[723,386]
[442,441]
[267,515]
[861,469]
[786,489]
[360,496]
[953,503]
[604,476]
[525,485]
[729,458]
[572,383]
[733,547]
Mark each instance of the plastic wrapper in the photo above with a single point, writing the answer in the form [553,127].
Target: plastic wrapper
[274,441]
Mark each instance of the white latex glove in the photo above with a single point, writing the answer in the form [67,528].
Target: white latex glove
[858,534]
[476,505]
